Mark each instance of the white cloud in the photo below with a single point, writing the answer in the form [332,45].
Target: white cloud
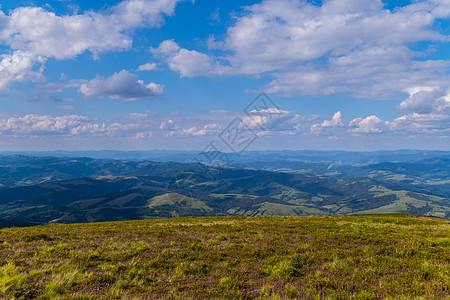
[208,129]
[17,67]
[428,123]
[168,125]
[278,33]
[370,124]
[426,100]
[67,125]
[273,120]
[136,116]
[34,34]
[142,135]
[336,121]
[276,123]
[44,124]
[358,48]
[122,85]
[39,32]
[188,63]
[421,123]
[376,73]
[130,14]
[213,44]
[148,67]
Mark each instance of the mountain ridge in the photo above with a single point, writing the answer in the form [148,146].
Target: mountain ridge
[110,190]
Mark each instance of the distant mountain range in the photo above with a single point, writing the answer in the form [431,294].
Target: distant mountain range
[44,189]
[313,156]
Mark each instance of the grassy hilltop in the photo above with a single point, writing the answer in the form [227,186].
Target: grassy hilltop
[348,257]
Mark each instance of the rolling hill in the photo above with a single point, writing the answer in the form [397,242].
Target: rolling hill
[69,190]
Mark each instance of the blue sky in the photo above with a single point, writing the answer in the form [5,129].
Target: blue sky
[173,74]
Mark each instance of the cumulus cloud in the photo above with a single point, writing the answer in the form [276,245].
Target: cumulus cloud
[208,129]
[130,14]
[304,32]
[171,128]
[34,34]
[18,67]
[425,100]
[277,123]
[168,125]
[340,46]
[122,85]
[135,126]
[40,32]
[421,123]
[336,121]
[274,120]
[414,123]
[45,125]
[380,75]
[370,124]
[269,121]
[188,63]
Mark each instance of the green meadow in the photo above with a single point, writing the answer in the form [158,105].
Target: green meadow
[345,257]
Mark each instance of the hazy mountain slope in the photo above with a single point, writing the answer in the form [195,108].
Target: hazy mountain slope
[19,170]
[429,176]
[313,156]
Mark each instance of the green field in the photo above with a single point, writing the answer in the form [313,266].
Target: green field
[347,257]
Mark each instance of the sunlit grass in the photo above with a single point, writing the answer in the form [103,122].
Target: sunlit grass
[352,257]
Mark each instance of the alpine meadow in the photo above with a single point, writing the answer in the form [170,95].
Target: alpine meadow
[240,149]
